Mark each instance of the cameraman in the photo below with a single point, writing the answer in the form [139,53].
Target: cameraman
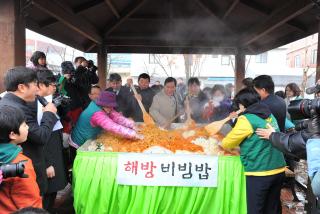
[304,144]
[67,86]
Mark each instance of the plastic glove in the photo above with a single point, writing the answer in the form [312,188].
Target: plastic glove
[139,137]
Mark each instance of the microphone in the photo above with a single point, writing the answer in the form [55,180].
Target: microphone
[44,103]
[42,100]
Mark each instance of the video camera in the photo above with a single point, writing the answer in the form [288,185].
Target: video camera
[61,100]
[13,169]
[301,109]
[91,66]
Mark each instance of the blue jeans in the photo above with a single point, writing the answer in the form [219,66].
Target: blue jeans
[313,159]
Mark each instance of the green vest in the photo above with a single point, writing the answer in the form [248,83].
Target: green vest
[258,155]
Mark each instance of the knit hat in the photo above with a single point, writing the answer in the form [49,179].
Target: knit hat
[67,67]
[106,99]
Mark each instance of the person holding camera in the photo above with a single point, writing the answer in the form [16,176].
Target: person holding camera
[303,144]
[53,149]
[22,87]
[16,192]
[67,86]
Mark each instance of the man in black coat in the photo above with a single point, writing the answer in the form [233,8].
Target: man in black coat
[264,85]
[21,84]
[122,93]
[53,149]
[145,94]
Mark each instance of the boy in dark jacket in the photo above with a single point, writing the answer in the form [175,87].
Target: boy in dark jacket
[16,192]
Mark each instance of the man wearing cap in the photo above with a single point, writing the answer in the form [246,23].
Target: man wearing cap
[99,115]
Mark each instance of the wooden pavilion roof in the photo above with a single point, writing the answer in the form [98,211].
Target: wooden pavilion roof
[174,26]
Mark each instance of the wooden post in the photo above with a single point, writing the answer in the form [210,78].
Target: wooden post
[102,66]
[318,54]
[240,67]
[12,37]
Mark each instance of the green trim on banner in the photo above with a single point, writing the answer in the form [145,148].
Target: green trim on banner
[96,191]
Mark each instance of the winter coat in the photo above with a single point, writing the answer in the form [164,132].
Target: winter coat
[17,193]
[54,155]
[38,135]
[122,97]
[278,108]
[93,120]
[164,107]
[258,156]
[135,112]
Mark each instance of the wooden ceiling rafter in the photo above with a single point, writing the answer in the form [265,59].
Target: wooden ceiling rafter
[230,9]
[34,26]
[113,8]
[210,11]
[267,11]
[124,16]
[76,23]
[78,9]
[277,18]
[256,49]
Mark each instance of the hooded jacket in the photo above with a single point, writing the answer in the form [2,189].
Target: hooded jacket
[257,155]
[93,120]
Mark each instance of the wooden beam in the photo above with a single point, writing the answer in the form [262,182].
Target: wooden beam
[214,14]
[87,6]
[240,70]
[176,43]
[34,26]
[318,54]
[171,50]
[78,9]
[267,11]
[71,20]
[230,9]
[89,46]
[102,66]
[12,37]
[112,8]
[276,19]
[277,42]
[124,16]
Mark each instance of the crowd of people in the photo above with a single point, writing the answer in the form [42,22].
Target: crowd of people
[47,133]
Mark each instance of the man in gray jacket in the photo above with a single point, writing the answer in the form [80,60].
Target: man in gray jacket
[165,104]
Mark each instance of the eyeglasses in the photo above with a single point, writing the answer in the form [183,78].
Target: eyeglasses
[53,84]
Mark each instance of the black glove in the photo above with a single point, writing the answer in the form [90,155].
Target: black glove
[313,129]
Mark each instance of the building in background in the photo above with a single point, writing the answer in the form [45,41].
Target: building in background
[290,63]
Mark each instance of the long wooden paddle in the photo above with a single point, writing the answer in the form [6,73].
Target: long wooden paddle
[146,117]
[167,124]
[214,127]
